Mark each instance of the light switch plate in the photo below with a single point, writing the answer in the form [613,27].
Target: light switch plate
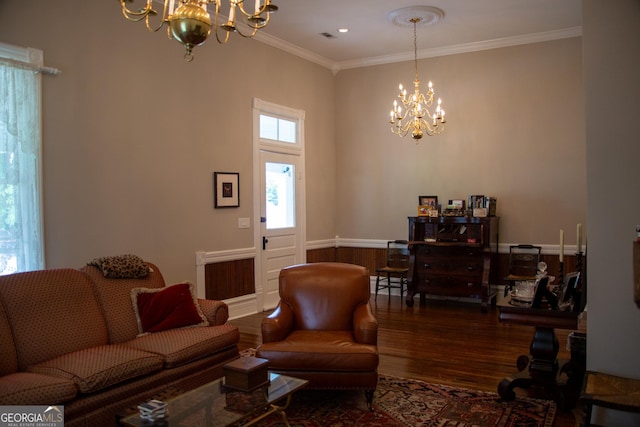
[244,223]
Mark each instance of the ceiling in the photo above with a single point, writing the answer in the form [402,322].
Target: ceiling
[467,25]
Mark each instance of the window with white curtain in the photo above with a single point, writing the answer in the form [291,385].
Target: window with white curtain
[21,236]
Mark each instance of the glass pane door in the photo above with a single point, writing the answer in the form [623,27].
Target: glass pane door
[280,195]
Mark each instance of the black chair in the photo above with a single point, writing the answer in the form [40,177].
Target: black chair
[523,264]
[394,273]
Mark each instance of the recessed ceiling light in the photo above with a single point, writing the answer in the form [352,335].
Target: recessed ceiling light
[343,30]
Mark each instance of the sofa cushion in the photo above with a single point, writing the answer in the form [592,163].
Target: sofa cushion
[25,388]
[51,313]
[173,307]
[96,368]
[114,296]
[319,350]
[181,346]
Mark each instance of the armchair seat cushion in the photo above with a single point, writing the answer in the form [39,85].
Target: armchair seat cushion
[333,351]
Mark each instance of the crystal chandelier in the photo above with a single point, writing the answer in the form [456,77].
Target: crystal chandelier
[413,113]
[189,22]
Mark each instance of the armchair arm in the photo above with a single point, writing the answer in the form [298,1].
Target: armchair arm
[365,325]
[278,324]
[216,312]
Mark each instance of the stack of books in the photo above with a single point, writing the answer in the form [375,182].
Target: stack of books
[152,410]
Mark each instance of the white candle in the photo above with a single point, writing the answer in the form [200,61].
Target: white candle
[561,245]
[579,237]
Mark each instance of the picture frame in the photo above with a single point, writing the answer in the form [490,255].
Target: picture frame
[430,201]
[457,204]
[226,190]
[424,210]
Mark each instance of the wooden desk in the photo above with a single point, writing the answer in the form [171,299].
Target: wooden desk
[542,367]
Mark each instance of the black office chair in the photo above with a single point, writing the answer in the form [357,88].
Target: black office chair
[394,273]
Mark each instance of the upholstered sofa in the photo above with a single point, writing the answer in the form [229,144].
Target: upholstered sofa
[72,337]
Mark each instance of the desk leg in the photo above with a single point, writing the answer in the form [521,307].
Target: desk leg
[542,369]
[544,355]
[409,297]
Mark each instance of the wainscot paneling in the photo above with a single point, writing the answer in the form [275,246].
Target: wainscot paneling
[229,279]
[231,275]
[373,258]
[321,255]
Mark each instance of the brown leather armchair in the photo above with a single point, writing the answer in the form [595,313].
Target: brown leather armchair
[323,329]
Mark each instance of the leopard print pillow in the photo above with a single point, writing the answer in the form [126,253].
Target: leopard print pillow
[122,267]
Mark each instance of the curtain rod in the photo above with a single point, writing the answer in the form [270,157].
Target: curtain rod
[50,71]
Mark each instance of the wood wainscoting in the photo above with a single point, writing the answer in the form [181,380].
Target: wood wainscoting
[233,280]
[229,279]
[373,258]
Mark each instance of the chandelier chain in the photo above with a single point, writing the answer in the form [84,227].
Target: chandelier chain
[415,45]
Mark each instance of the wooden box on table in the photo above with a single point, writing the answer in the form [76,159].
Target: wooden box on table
[246,373]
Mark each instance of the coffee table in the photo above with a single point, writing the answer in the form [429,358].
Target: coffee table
[216,405]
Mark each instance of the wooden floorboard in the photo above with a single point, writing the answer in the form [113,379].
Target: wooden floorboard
[444,342]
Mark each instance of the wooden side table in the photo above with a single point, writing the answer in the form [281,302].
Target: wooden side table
[542,368]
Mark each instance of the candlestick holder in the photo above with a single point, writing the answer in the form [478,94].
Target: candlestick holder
[560,273]
[579,299]
[579,262]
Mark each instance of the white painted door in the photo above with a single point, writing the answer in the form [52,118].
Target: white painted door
[281,243]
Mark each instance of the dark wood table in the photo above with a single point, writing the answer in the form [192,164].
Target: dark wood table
[542,367]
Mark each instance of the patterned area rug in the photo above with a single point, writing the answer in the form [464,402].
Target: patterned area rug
[406,402]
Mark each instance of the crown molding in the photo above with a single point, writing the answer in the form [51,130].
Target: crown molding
[293,49]
[425,53]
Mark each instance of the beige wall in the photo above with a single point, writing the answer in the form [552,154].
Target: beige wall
[133,133]
[612,67]
[515,131]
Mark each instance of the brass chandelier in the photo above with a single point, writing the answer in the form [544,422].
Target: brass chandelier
[189,21]
[414,113]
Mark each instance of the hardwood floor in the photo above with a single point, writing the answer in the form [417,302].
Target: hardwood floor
[443,342]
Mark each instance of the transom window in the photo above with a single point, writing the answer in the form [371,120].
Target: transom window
[278,129]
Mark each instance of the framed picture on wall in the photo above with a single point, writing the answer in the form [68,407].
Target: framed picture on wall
[430,201]
[226,189]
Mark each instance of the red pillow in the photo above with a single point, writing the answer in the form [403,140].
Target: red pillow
[172,307]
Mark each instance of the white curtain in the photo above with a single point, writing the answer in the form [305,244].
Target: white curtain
[21,236]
